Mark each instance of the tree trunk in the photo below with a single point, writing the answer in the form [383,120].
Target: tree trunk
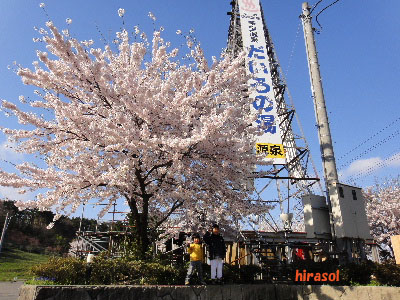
[139,228]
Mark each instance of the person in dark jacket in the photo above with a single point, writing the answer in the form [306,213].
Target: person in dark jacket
[216,251]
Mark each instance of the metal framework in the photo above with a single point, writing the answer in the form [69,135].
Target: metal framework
[296,168]
[95,240]
[298,157]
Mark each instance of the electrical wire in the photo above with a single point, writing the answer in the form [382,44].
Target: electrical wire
[8,162]
[380,143]
[316,17]
[375,167]
[369,138]
[315,6]
[364,142]
[293,49]
[283,78]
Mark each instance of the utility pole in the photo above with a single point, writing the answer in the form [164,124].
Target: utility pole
[321,115]
[348,220]
[328,156]
[6,222]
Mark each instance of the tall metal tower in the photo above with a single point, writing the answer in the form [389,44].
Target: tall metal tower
[339,219]
[295,170]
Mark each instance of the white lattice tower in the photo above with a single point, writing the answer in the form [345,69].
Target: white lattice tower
[297,157]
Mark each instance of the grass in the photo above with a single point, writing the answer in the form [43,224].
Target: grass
[40,282]
[17,263]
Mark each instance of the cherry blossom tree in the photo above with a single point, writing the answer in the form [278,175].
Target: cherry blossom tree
[383,211]
[140,125]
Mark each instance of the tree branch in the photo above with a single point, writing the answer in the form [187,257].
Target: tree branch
[176,205]
[167,164]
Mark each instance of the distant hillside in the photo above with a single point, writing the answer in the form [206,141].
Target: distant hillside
[27,230]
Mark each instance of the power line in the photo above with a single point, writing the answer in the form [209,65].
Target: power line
[375,167]
[315,6]
[293,49]
[316,17]
[376,145]
[298,121]
[369,138]
[380,143]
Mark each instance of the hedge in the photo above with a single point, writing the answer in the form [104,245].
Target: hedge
[104,271]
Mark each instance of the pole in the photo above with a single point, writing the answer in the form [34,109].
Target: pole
[4,231]
[321,115]
[328,157]
[80,222]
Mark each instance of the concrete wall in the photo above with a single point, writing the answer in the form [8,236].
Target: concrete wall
[211,292]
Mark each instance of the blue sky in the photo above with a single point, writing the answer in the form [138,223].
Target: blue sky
[358,49]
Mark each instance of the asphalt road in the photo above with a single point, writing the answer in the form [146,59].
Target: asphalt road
[9,290]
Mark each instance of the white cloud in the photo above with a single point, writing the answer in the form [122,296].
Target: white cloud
[363,166]
[370,165]
[8,153]
[12,194]
[394,160]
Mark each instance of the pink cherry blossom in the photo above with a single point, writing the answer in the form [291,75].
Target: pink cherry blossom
[383,211]
[121,12]
[155,133]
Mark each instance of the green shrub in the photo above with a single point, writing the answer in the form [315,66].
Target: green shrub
[387,273]
[353,273]
[373,282]
[122,271]
[105,270]
[68,270]
[240,274]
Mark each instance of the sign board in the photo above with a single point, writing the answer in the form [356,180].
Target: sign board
[395,239]
[263,98]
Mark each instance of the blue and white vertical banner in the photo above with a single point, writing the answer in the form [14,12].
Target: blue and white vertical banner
[262,97]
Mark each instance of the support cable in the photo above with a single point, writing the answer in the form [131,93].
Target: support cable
[293,49]
[375,146]
[315,6]
[316,17]
[283,78]
[370,138]
[375,167]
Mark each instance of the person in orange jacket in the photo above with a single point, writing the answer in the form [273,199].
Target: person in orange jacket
[196,257]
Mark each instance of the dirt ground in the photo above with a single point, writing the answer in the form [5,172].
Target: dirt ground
[9,290]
